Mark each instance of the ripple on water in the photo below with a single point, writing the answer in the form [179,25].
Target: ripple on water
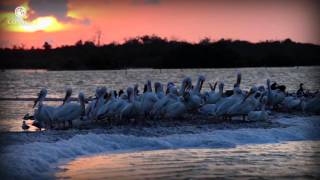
[298,159]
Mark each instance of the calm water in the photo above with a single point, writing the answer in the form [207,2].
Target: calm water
[27,83]
[290,160]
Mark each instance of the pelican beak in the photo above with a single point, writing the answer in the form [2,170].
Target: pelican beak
[188,86]
[35,103]
[201,84]
[37,100]
[238,79]
[249,94]
[68,94]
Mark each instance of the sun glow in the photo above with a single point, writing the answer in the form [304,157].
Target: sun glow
[47,24]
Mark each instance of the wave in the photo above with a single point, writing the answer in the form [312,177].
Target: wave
[38,160]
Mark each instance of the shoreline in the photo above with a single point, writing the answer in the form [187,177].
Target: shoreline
[154,128]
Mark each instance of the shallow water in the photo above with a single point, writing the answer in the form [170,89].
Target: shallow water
[39,154]
[27,83]
[290,160]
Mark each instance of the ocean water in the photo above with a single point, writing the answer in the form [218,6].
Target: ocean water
[27,83]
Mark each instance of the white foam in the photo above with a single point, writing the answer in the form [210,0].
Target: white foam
[39,159]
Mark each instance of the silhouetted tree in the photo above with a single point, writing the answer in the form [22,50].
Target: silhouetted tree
[89,44]
[156,52]
[46,46]
[205,41]
[79,43]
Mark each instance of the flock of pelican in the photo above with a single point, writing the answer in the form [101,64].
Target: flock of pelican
[174,102]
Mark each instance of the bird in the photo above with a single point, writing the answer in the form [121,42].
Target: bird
[71,111]
[132,108]
[195,100]
[223,106]
[43,115]
[104,111]
[261,115]
[159,107]
[91,106]
[148,99]
[214,97]
[300,91]
[25,126]
[249,102]
[275,97]
[95,105]
[178,108]
[118,105]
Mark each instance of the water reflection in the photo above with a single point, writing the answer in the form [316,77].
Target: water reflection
[287,160]
[26,83]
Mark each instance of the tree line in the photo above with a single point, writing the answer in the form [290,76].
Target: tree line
[156,52]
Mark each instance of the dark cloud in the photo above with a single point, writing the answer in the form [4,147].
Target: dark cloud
[151,1]
[57,8]
[7,8]
[145,2]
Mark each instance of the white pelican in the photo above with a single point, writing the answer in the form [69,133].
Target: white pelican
[132,108]
[214,97]
[118,105]
[223,106]
[259,115]
[91,106]
[106,108]
[96,104]
[249,103]
[148,99]
[43,115]
[195,100]
[71,111]
[160,105]
[275,97]
[177,109]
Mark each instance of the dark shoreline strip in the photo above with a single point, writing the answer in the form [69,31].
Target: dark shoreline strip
[33,99]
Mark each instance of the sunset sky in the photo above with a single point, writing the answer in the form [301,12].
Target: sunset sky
[67,21]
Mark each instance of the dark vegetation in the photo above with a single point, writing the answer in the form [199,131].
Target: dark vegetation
[156,52]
